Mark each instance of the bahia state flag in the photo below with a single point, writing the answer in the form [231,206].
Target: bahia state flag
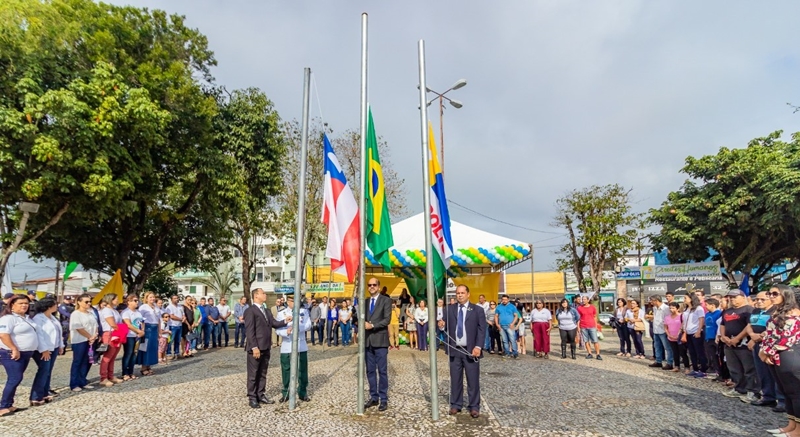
[340,215]
[376,212]
[440,220]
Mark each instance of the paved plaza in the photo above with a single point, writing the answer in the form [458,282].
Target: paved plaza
[205,396]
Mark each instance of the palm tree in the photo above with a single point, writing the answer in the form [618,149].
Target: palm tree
[222,281]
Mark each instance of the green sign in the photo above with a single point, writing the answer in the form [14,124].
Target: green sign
[325,287]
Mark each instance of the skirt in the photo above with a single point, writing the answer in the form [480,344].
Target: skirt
[411,326]
[148,346]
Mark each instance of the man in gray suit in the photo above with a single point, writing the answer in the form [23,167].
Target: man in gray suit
[466,331]
[376,343]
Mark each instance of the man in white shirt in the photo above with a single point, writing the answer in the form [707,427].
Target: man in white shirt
[485,305]
[304,324]
[176,319]
[660,341]
[224,313]
[323,318]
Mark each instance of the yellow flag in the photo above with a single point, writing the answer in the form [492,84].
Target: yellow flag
[113,286]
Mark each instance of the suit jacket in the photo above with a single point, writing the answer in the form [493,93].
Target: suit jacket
[381,315]
[258,328]
[474,327]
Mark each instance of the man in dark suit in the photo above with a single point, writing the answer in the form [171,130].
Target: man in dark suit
[466,332]
[258,324]
[376,343]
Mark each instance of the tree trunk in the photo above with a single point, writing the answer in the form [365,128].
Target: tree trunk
[245,249]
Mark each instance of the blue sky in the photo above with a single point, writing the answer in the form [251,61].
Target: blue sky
[560,94]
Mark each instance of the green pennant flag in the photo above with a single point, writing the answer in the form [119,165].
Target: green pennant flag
[70,268]
[378,223]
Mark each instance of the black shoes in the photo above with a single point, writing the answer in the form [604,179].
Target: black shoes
[382,406]
[779,408]
[371,403]
[762,403]
[667,367]
[305,399]
[284,399]
[266,400]
[254,404]
[655,365]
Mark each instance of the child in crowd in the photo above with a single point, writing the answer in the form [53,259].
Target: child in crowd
[163,338]
[713,313]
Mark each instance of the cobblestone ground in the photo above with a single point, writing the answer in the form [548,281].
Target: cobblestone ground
[205,396]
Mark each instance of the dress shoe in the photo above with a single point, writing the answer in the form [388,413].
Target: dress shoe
[383,406]
[667,367]
[265,400]
[454,411]
[779,408]
[474,414]
[763,403]
[655,365]
[305,399]
[284,399]
[371,403]
[254,404]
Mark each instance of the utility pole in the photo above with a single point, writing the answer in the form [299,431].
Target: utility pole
[58,270]
[533,276]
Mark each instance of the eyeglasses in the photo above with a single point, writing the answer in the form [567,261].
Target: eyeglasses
[135,300]
[491,305]
[373,285]
[85,301]
[774,294]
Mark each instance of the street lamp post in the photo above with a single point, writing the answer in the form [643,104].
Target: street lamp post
[454,103]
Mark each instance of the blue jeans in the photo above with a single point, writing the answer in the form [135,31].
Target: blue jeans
[769,387]
[222,327]
[377,374]
[487,344]
[205,329]
[509,336]
[80,365]
[128,356]
[41,382]
[661,344]
[15,369]
[176,340]
[214,330]
[346,333]
[239,327]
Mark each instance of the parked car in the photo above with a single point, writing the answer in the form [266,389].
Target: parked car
[605,318]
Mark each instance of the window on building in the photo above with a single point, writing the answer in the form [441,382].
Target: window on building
[275,251]
[192,289]
[259,275]
[260,252]
[292,274]
[276,276]
[293,250]
[236,253]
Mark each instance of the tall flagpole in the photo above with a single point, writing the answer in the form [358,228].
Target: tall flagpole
[301,220]
[426,196]
[362,221]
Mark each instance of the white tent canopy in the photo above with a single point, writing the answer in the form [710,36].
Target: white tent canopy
[409,234]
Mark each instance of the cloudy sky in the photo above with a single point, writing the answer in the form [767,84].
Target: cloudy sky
[560,94]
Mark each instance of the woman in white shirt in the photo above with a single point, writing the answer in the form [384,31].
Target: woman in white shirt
[694,328]
[18,343]
[345,318]
[411,326]
[421,316]
[110,319]
[540,325]
[635,319]
[83,333]
[133,318]
[51,345]
[148,345]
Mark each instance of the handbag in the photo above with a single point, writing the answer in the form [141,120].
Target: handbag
[638,326]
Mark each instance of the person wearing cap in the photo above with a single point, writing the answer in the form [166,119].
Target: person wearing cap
[304,324]
[733,335]
[65,311]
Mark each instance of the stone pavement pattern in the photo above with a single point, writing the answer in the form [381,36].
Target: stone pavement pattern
[205,395]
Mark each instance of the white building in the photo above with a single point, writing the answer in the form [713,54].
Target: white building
[77,283]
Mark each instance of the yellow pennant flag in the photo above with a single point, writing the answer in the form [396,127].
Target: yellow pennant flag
[114,286]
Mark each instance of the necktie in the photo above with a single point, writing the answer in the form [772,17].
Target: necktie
[460,322]
[371,305]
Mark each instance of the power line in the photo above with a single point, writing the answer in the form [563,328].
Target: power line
[500,221]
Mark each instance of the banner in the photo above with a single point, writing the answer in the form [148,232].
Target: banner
[333,287]
[705,271]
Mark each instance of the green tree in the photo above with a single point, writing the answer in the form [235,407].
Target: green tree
[743,203]
[222,281]
[162,284]
[600,226]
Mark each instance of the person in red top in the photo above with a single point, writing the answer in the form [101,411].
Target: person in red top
[588,325]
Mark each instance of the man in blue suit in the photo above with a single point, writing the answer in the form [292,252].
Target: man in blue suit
[466,332]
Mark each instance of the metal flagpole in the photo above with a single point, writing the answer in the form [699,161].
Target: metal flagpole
[301,219]
[361,223]
[426,196]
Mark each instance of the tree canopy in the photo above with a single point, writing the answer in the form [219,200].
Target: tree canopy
[743,203]
[601,227]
